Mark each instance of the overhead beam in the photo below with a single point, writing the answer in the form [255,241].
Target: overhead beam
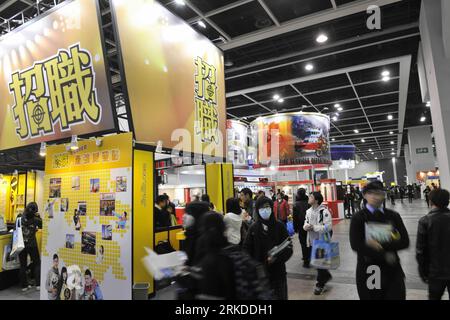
[269,12]
[405,69]
[304,22]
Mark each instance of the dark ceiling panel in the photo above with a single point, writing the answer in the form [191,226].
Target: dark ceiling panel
[287,9]
[208,5]
[183,12]
[322,84]
[382,109]
[332,95]
[237,100]
[266,95]
[243,19]
[377,87]
[287,104]
[374,73]
[387,98]
[247,111]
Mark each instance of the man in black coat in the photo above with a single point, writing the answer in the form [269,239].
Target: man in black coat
[299,214]
[264,235]
[162,216]
[379,275]
[433,245]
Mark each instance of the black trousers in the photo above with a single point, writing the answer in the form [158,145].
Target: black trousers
[392,287]
[323,275]
[436,288]
[280,288]
[36,265]
[306,251]
[410,199]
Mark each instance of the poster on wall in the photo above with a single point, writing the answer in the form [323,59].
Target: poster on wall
[237,136]
[303,138]
[89,237]
[186,71]
[41,103]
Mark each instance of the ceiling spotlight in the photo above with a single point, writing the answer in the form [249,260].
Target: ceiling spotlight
[372,153]
[392,142]
[333,139]
[276,97]
[422,119]
[428,104]
[356,131]
[337,105]
[392,149]
[362,140]
[390,117]
[385,73]
[180,2]
[391,132]
[202,24]
[309,67]
[159,147]
[336,114]
[280,100]
[335,118]
[376,158]
[386,79]
[340,109]
[43,149]
[74,143]
[321,38]
[393,153]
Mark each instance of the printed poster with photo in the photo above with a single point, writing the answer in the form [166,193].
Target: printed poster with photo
[95,185]
[121,184]
[76,183]
[107,204]
[55,188]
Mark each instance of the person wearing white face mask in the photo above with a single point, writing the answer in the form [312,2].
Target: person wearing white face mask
[265,234]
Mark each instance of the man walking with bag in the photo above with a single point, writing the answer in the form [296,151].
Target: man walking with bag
[377,234]
[318,222]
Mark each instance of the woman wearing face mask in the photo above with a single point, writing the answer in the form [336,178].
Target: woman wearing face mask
[264,235]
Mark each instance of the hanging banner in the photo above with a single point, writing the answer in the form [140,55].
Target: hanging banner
[53,80]
[175,79]
[87,221]
[293,138]
[237,136]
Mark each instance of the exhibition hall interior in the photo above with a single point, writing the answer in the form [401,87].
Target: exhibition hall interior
[224,150]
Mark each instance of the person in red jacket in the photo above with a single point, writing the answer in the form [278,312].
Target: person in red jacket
[281,209]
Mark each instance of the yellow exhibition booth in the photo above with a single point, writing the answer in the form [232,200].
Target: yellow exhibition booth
[100,184]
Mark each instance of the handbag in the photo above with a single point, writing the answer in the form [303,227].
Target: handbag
[9,262]
[290,228]
[325,254]
[18,244]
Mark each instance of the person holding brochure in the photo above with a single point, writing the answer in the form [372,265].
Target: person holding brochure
[376,235]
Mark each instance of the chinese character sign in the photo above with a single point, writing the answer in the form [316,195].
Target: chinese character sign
[60,89]
[53,82]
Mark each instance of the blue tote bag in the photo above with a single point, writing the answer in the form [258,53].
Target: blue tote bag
[325,253]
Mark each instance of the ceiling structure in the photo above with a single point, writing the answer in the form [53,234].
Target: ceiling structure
[267,45]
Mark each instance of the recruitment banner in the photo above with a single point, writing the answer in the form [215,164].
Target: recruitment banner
[53,81]
[87,221]
[293,138]
[175,79]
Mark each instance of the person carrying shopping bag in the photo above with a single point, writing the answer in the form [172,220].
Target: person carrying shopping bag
[318,222]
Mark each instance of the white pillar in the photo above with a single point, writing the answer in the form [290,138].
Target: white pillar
[420,150]
[394,165]
[346,175]
[437,67]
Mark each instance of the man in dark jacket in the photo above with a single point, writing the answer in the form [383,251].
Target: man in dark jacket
[248,203]
[31,222]
[433,245]
[379,275]
[264,235]
[299,214]
[162,217]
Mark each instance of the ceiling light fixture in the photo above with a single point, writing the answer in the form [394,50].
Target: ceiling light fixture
[43,149]
[428,104]
[391,132]
[393,153]
[392,142]
[386,79]
[422,119]
[309,67]
[340,109]
[356,131]
[202,24]
[337,105]
[390,117]
[372,153]
[335,118]
[321,38]
[370,150]
[385,73]
[333,139]
[180,2]
[276,97]
[376,158]
[280,100]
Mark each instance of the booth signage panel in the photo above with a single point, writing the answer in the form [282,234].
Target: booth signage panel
[53,80]
[99,237]
[174,76]
[303,138]
[237,137]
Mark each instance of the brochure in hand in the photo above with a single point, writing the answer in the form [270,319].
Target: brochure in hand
[380,232]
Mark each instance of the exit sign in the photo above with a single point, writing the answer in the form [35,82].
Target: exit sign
[421,150]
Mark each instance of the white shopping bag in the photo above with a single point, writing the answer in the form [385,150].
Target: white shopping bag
[18,244]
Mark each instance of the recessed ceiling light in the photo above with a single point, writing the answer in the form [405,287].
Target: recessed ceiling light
[321,38]
[335,118]
[392,153]
[333,139]
[390,117]
[392,142]
[422,119]
[362,140]
[337,105]
[391,132]
[280,100]
[340,109]
[376,158]
[356,131]
[386,79]
[180,2]
[428,104]
[370,150]
[372,153]
[392,149]
[336,114]
[276,97]
[309,67]
[385,73]
[202,24]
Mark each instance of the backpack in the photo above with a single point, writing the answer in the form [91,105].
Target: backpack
[321,221]
[250,278]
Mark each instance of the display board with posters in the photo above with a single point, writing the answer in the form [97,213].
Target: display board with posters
[53,79]
[87,220]
[237,142]
[299,138]
[174,77]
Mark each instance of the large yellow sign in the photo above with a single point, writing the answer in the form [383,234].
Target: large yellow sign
[53,79]
[174,75]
